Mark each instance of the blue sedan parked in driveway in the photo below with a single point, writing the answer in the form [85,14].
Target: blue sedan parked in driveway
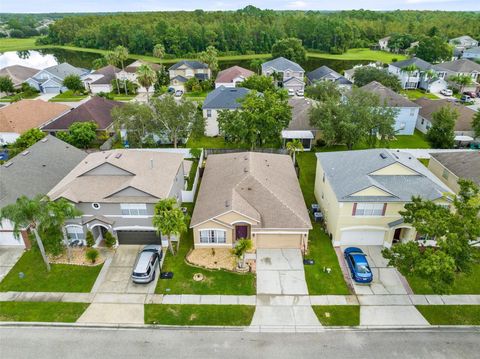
[358,265]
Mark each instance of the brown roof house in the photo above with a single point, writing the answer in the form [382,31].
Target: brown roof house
[19,117]
[250,195]
[299,126]
[130,73]
[101,79]
[18,74]
[117,191]
[97,109]
[449,167]
[463,126]
[232,76]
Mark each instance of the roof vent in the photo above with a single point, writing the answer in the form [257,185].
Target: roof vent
[8,164]
[24,153]
[118,155]
[383,155]
[227,204]
[245,170]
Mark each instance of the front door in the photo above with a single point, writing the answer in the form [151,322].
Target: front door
[241,232]
[397,233]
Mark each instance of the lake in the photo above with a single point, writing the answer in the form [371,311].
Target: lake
[43,58]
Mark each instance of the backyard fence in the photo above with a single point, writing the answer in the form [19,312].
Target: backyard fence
[216,151]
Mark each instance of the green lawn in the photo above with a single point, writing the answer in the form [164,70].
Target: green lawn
[416,94]
[41,311]
[425,161]
[338,315]
[191,175]
[121,97]
[451,314]
[417,140]
[67,96]
[186,314]
[214,282]
[62,277]
[198,96]
[360,54]
[16,96]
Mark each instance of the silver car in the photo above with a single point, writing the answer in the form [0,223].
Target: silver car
[148,260]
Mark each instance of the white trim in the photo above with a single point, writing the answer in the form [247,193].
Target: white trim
[125,216]
[134,228]
[221,214]
[233,223]
[306,232]
[364,227]
[104,225]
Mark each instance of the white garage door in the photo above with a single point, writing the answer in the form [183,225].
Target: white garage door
[8,239]
[362,238]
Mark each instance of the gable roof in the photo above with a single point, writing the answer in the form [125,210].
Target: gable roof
[150,172]
[460,65]
[473,50]
[282,64]
[23,115]
[429,107]
[324,71]
[228,75]
[349,172]
[136,64]
[18,73]
[225,98]
[300,114]
[65,69]
[388,96]
[195,65]
[261,186]
[39,170]
[465,164]
[464,38]
[97,109]
[421,64]
[108,73]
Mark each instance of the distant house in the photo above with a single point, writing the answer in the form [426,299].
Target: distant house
[423,75]
[18,74]
[350,73]
[50,80]
[449,167]
[21,116]
[383,43]
[232,76]
[97,109]
[35,171]
[299,127]
[101,79]
[222,98]
[290,74]
[473,53]
[324,73]
[460,67]
[463,126]
[184,70]
[408,110]
[462,43]
[129,73]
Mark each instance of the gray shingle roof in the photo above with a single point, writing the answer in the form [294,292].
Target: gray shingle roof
[324,71]
[462,164]
[282,64]
[474,50]
[388,96]
[192,64]
[38,171]
[349,172]
[421,64]
[225,98]
[65,69]
[461,65]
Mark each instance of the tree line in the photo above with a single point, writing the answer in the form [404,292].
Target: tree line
[251,30]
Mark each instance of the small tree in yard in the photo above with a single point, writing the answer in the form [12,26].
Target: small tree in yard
[89,239]
[80,134]
[241,247]
[210,57]
[290,48]
[462,81]
[73,83]
[110,240]
[6,85]
[441,134]
[135,119]
[159,51]
[26,140]
[92,255]
[293,147]
[455,231]
[168,219]
[146,77]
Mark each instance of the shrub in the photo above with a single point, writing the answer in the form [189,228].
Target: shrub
[196,153]
[92,255]
[90,240]
[110,240]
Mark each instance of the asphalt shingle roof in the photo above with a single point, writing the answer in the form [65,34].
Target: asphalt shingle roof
[192,64]
[65,69]
[225,98]
[108,73]
[460,65]
[282,64]
[388,96]
[421,64]
[429,107]
[463,164]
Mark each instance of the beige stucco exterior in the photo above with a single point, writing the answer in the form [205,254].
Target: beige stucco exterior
[445,175]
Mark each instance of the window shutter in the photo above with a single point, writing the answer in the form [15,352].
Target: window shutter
[354,209]
[384,209]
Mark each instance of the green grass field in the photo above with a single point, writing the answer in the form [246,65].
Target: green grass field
[41,311]
[68,96]
[416,94]
[338,315]
[186,314]
[360,54]
[451,314]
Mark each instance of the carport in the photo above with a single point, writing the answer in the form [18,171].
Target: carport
[131,237]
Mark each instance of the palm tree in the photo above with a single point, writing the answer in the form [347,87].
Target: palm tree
[159,51]
[112,60]
[256,64]
[410,69]
[146,77]
[294,146]
[121,55]
[168,219]
[461,80]
[241,247]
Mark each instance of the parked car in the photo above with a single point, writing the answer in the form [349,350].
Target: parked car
[465,98]
[178,93]
[291,92]
[171,90]
[148,260]
[470,93]
[446,92]
[300,93]
[358,265]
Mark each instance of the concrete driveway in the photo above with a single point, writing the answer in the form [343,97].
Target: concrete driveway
[386,280]
[8,257]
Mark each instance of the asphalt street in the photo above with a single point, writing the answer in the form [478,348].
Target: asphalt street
[57,342]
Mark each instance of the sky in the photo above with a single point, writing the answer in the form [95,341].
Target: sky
[31,6]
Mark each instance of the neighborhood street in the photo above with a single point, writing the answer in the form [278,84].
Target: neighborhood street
[51,342]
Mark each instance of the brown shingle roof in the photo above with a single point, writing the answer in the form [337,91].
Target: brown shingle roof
[429,107]
[388,96]
[97,109]
[18,73]
[227,75]
[135,65]
[108,73]
[261,186]
[463,164]
[300,114]
[23,115]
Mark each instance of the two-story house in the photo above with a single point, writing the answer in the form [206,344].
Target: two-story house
[184,70]
[362,192]
[472,53]
[407,111]
[462,67]
[130,73]
[50,80]
[462,43]
[101,80]
[383,43]
[287,74]
[117,191]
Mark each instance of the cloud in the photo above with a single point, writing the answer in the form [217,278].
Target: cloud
[297,5]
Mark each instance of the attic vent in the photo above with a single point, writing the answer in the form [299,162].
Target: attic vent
[227,204]
[24,153]
[249,188]
[118,155]
[8,164]
[383,155]
[245,170]
[44,139]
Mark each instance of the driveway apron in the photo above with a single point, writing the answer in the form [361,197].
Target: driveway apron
[8,257]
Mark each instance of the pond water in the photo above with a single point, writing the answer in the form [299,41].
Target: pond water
[43,58]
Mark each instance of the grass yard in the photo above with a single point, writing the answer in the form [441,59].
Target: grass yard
[425,161]
[62,277]
[67,96]
[360,54]
[214,282]
[338,315]
[416,94]
[17,97]
[121,97]
[417,140]
[196,95]
[187,314]
[451,314]
[191,175]
[41,311]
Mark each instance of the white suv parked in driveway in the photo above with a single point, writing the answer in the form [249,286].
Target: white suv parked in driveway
[446,92]
[146,265]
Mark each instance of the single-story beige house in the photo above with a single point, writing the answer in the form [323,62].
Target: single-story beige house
[250,195]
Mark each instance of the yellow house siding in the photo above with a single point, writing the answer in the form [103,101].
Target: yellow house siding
[395,169]
[326,199]
[212,225]
[438,170]
[372,191]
